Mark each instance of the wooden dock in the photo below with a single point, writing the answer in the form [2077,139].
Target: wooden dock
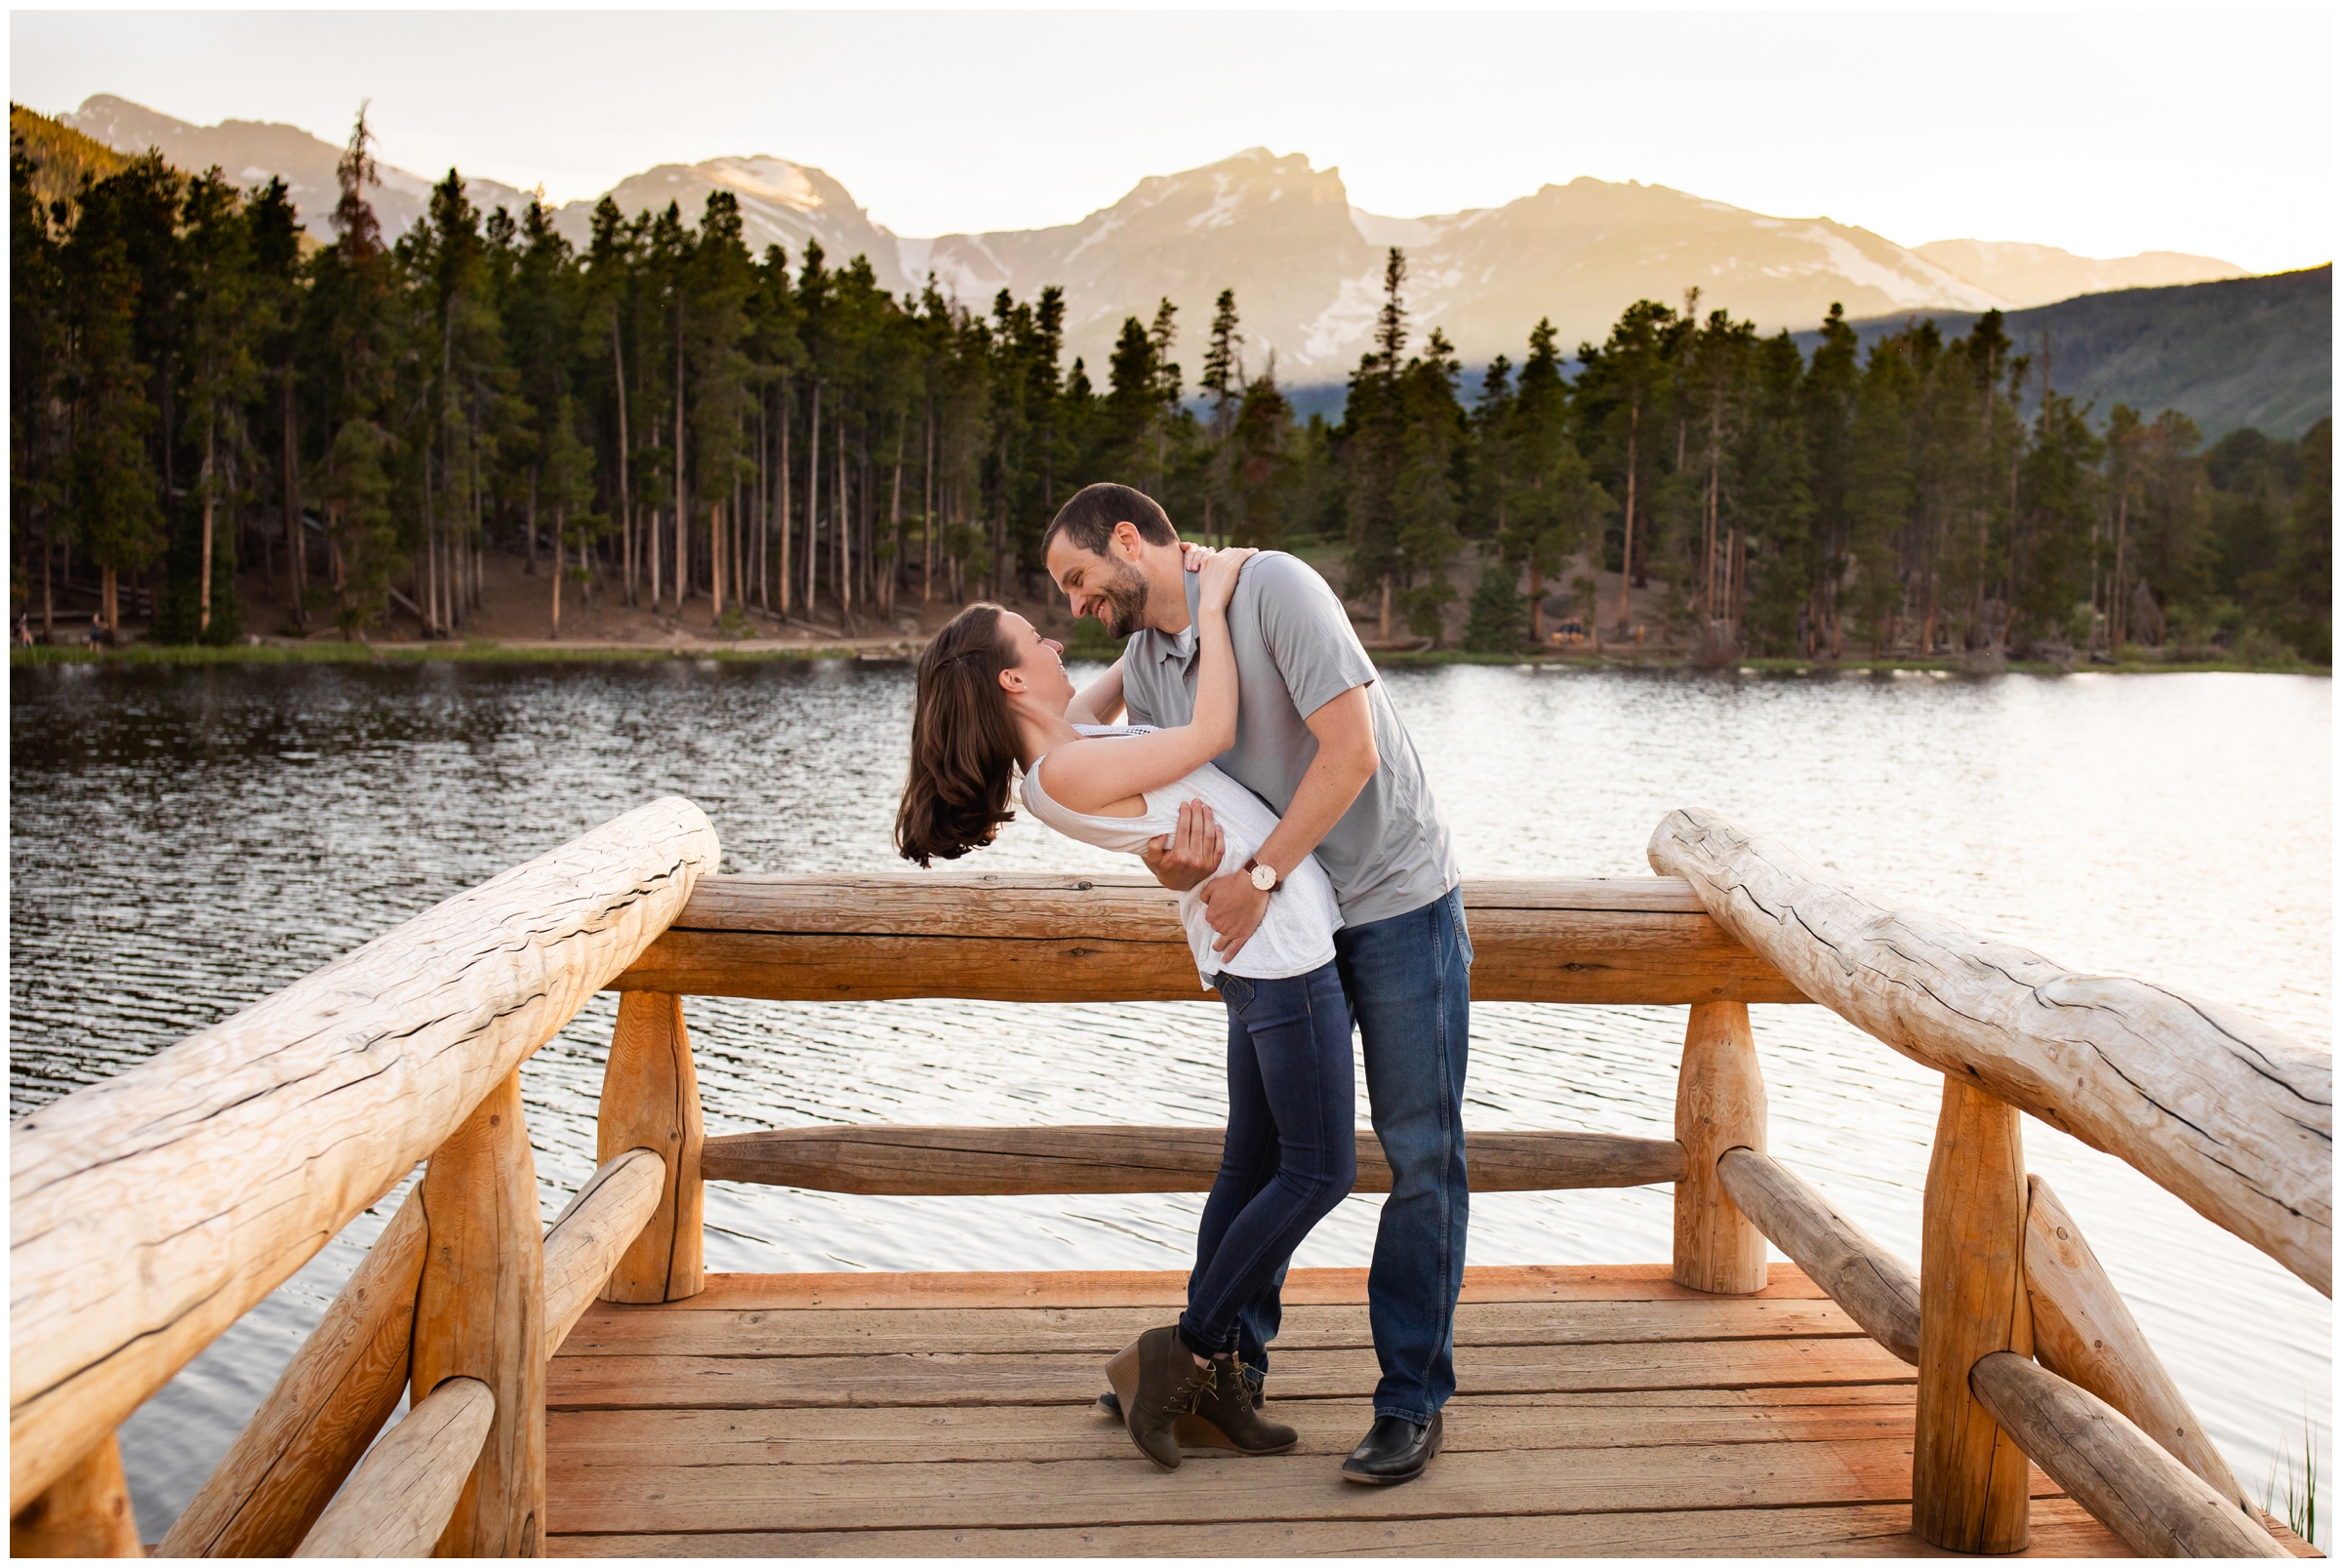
[1604,1411]
[1846,1403]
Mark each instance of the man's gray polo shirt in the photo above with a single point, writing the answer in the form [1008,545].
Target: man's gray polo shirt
[1390,853]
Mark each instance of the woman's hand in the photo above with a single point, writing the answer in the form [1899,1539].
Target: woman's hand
[1220,569]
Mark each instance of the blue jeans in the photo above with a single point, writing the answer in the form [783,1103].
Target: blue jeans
[1409,983]
[1290,1154]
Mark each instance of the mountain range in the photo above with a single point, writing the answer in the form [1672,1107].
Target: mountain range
[1305,263]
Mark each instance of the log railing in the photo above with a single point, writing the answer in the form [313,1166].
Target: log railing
[2023,1346]
[149,1211]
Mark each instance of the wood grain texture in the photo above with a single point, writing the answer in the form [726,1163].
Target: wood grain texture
[2060,1529]
[584,1243]
[1065,939]
[651,1100]
[480,1312]
[85,1512]
[1968,1487]
[1719,1104]
[657,1499]
[815,1382]
[401,1497]
[1168,1287]
[936,1160]
[269,1490]
[2158,1506]
[150,1211]
[1876,1289]
[608,1330]
[580,1442]
[2234,1118]
[2082,1332]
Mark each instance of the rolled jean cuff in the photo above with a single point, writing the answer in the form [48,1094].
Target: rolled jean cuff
[1189,1337]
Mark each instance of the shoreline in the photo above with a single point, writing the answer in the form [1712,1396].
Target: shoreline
[902,649]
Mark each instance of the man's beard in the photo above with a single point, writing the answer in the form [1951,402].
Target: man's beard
[1125,609]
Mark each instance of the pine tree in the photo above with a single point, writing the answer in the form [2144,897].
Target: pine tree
[1621,392]
[354,335]
[1223,378]
[278,287]
[199,602]
[114,483]
[1826,402]
[39,432]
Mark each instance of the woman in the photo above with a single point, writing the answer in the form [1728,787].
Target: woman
[993,700]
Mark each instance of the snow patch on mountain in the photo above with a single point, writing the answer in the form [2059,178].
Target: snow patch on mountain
[1921,286]
[774,178]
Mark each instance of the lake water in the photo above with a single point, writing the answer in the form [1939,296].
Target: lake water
[185,841]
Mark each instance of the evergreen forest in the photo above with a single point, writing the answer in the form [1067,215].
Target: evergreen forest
[201,392]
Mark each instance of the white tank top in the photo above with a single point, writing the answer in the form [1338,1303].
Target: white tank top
[1297,934]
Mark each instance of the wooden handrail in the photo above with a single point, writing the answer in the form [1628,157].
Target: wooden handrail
[2158,1506]
[2082,1332]
[150,1211]
[936,1161]
[2081,1329]
[1877,1289]
[275,1479]
[590,1233]
[404,1491]
[1116,939]
[2216,1108]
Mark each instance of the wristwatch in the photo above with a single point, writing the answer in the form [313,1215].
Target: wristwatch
[1263,877]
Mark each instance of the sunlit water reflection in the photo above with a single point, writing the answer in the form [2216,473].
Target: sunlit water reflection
[186,841]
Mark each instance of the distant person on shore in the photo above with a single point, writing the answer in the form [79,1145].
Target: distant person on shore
[1318,738]
[98,630]
[23,628]
[994,703]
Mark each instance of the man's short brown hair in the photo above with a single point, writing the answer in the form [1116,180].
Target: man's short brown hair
[1088,520]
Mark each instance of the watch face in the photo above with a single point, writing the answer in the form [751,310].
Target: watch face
[1263,877]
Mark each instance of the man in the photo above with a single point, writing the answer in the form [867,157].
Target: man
[1316,738]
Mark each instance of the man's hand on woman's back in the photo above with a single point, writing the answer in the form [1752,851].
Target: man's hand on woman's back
[1191,853]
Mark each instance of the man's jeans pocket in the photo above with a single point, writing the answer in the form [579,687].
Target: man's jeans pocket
[1236,990]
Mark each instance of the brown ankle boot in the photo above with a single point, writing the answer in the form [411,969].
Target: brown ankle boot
[1228,1410]
[1157,1382]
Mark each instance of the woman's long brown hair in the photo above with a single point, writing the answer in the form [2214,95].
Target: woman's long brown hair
[963,743]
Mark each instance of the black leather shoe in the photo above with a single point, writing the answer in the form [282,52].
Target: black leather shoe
[1394,1450]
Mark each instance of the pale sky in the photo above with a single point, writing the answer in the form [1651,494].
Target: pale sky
[2106,132]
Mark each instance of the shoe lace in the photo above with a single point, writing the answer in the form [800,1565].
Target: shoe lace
[1190,1391]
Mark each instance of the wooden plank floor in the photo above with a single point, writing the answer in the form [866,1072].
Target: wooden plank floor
[1602,1411]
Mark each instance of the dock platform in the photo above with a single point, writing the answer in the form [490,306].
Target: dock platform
[1602,1411]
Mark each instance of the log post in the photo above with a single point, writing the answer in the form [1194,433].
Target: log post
[651,1100]
[480,1312]
[85,1512]
[1969,1478]
[2082,1332]
[312,1431]
[1719,1104]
